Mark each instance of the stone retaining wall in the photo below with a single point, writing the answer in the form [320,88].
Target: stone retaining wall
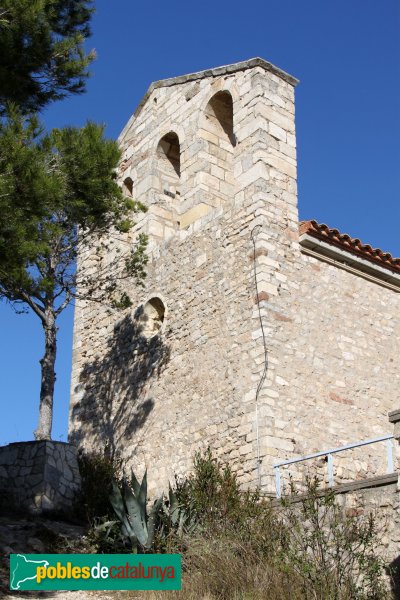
[384,503]
[39,477]
[379,496]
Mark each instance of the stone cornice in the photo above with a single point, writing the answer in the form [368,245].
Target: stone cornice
[216,72]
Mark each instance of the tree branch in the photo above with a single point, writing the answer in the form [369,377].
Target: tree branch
[34,306]
[64,304]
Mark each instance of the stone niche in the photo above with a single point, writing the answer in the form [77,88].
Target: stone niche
[39,477]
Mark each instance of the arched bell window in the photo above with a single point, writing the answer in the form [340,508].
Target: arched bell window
[219,118]
[169,163]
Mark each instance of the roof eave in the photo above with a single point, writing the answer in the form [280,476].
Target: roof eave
[345,258]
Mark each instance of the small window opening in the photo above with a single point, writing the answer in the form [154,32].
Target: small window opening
[169,154]
[152,317]
[127,187]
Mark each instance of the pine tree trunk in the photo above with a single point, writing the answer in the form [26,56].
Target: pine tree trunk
[48,378]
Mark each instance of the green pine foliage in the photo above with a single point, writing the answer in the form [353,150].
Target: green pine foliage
[58,190]
[51,185]
[42,55]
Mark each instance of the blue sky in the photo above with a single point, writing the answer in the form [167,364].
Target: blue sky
[347,57]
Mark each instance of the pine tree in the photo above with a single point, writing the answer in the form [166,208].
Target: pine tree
[51,186]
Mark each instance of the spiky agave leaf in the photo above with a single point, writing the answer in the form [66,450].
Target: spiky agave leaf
[142,496]
[135,484]
[174,507]
[136,514]
[140,492]
[117,501]
[119,507]
[151,524]
[105,527]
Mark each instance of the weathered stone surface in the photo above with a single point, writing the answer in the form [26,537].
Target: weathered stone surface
[32,481]
[384,504]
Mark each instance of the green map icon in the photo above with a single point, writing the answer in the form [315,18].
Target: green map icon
[95,572]
[24,569]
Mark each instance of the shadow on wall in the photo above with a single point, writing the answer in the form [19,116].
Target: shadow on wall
[394,569]
[116,389]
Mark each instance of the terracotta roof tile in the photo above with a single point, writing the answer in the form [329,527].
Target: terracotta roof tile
[353,245]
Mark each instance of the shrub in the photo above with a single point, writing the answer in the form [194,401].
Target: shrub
[333,554]
[98,471]
[305,544]
[238,544]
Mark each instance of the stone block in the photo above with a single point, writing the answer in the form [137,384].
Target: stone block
[193,215]
[156,228]
[281,165]
[276,117]
[8,456]
[161,212]
[258,171]
[277,132]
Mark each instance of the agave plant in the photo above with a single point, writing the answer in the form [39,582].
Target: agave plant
[181,520]
[106,536]
[130,506]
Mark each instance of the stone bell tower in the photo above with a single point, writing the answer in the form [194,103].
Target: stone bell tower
[213,157]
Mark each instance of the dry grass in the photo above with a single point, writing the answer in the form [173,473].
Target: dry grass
[219,570]
[240,547]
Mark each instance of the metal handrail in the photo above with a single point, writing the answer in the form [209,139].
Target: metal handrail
[328,453]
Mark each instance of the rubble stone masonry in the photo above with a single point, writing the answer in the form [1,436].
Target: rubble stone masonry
[39,477]
[230,296]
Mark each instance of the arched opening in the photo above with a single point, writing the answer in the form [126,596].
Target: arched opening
[169,162]
[219,117]
[219,141]
[127,186]
[152,317]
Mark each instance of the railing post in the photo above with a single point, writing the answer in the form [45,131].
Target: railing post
[277,482]
[389,450]
[394,418]
[330,470]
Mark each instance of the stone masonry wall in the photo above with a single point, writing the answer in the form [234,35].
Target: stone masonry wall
[384,503]
[330,337]
[39,477]
[381,500]
[333,370]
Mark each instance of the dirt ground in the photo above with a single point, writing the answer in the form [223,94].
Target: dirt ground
[35,536]
[19,533]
